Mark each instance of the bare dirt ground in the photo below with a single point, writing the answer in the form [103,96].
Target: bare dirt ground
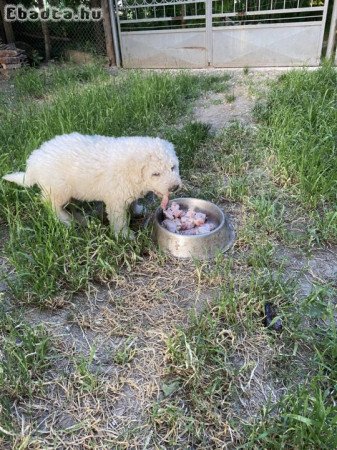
[135,315]
[216,110]
[213,108]
[121,329]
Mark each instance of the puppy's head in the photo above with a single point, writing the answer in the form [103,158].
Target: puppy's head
[160,172]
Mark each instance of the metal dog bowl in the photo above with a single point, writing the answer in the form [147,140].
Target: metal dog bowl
[203,246]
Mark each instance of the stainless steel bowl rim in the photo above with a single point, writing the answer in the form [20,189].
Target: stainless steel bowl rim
[195,236]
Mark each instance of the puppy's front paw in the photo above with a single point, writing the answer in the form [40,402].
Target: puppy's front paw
[131,235]
[126,233]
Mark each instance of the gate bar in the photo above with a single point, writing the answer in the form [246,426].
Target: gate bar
[323,22]
[209,31]
[332,31]
[114,32]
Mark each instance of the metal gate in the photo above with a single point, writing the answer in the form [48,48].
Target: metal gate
[221,33]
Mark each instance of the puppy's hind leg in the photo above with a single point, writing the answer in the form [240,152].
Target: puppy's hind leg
[57,206]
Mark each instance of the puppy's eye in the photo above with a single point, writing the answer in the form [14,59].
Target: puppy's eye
[173,168]
[156,174]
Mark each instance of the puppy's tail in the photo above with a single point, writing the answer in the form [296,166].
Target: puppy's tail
[18,178]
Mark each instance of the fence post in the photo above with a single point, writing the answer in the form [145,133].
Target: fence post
[108,34]
[98,32]
[209,32]
[332,31]
[7,25]
[45,32]
[115,33]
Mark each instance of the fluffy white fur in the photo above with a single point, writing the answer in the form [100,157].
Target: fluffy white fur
[116,171]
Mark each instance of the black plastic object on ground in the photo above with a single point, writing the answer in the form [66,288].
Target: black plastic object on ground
[270,314]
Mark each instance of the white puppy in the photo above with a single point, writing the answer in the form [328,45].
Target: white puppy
[116,171]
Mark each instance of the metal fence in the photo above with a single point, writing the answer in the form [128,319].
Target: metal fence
[221,33]
[134,18]
[43,40]
[177,14]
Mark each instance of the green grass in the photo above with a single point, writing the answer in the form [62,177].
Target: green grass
[48,258]
[268,212]
[300,125]
[230,98]
[26,355]
[217,364]
[82,377]
[126,352]
[31,82]
[306,417]
[205,369]
[325,224]
[204,379]
[187,139]
[208,366]
[222,157]
[52,259]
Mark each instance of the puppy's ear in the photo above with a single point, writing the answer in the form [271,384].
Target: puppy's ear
[146,165]
[143,171]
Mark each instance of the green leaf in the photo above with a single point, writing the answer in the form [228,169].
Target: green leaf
[302,419]
[168,389]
